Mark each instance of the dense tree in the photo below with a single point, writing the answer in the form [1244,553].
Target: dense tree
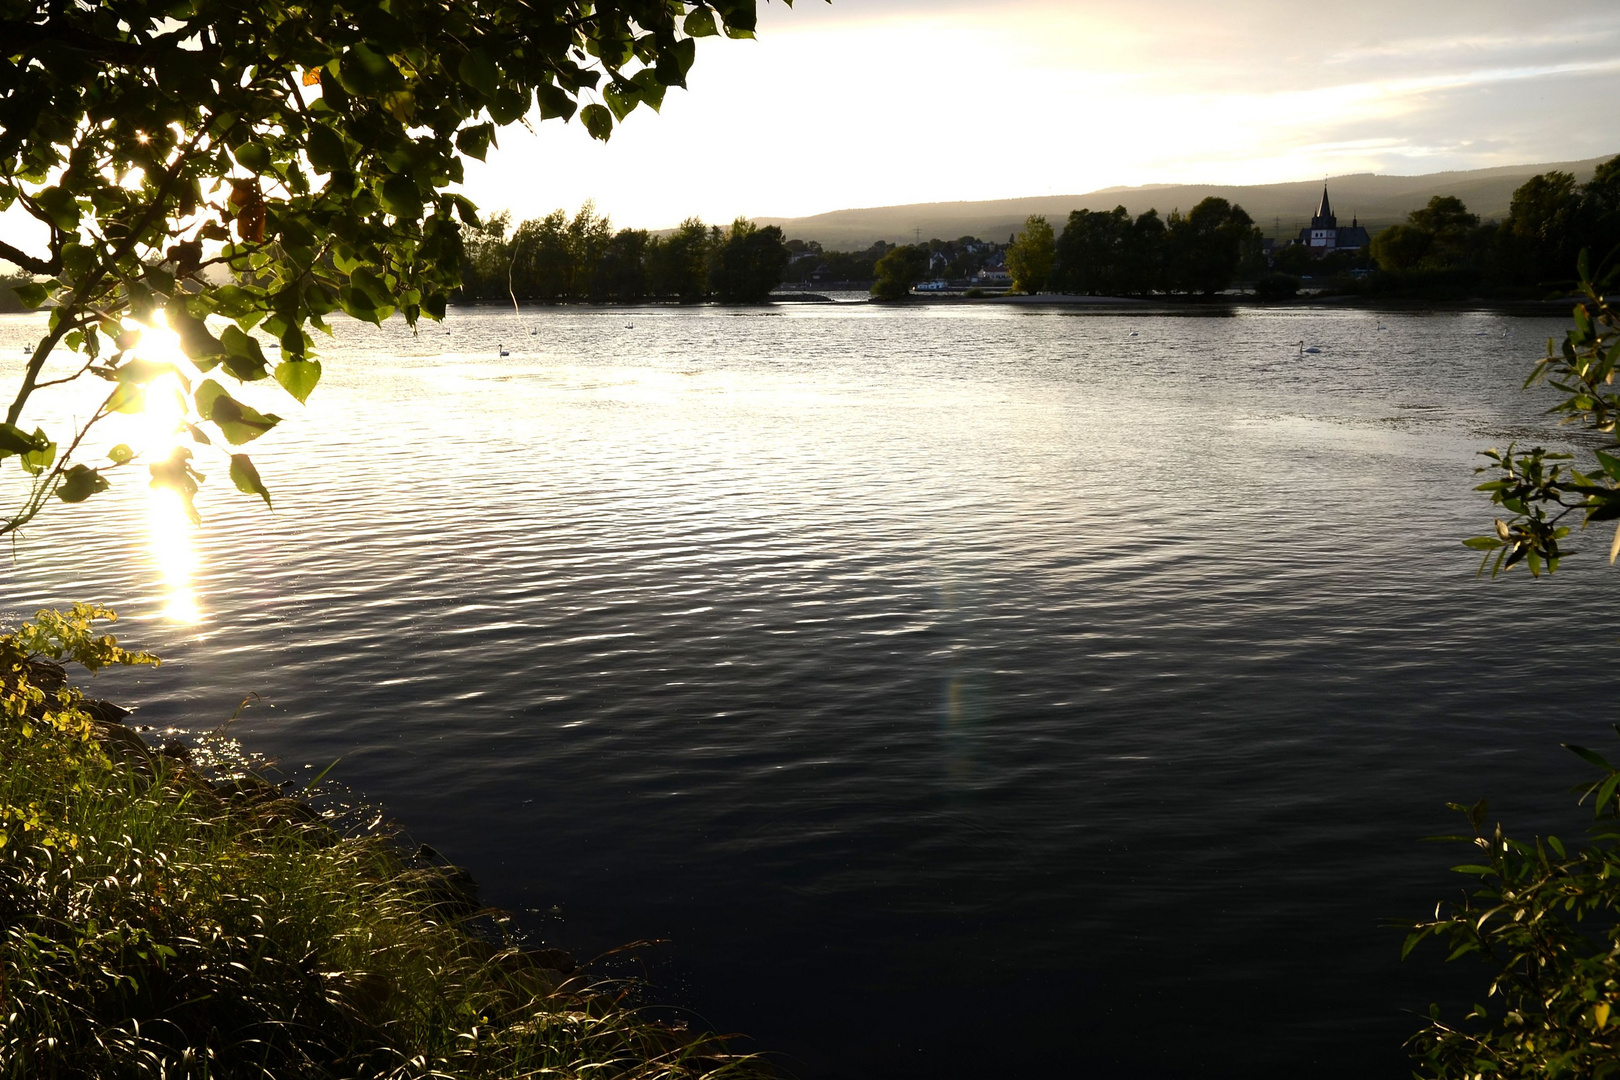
[1032,255]
[1207,247]
[1401,247]
[1542,233]
[1109,254]
[622,273]
[266,165]
[1601,217]
[1294,259]
[748,263]
[1439,237]
[1092,252]
[486,268]
[542,264]
[678,264]
[899,270]
[1143,267]
[589,234]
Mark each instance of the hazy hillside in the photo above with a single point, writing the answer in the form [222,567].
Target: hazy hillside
[1284,208]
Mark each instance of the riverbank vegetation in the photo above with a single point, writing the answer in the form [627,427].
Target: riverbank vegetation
[1545,918]
[210,184]
[163,921]
[557,259]
[1200,252]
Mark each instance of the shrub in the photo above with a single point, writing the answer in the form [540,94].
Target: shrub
[1545,919]
[156,923]
[1276,286]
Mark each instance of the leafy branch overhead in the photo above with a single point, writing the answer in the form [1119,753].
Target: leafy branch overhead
[1538,488]
[243,172]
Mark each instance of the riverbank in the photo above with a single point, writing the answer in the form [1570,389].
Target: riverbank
[162,918]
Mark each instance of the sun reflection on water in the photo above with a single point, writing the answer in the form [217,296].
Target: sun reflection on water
[174,550]
[158,430]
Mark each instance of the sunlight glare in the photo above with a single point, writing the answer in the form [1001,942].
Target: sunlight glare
[159,431]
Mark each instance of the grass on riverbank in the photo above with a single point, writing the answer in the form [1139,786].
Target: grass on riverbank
[157,924]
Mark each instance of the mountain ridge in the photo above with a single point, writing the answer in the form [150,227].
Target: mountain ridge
[1375,199]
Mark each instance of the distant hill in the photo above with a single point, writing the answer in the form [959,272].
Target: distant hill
[1279,209]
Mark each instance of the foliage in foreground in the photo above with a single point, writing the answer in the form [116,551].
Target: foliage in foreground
[1549,921]
[263,166]
[157,924]
[1540,488]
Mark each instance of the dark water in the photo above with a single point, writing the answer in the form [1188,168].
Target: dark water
[960,692]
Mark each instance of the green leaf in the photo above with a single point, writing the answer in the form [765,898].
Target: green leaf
[700,23]
[37,461]
[237,422]
[475,141]
[401,198]
[554,102]
[253,157]
[127,397]
[32,294]
[298,377]
[14,440]
[652,91]
[120,454]
[622,98]
[246,477]
[326,149]
[366,72]
[478,71]
[598,121]
[79,483]
[1482,543]
[195,340]
[244,358]
[1606,791]
[144,372]
[509,105]
[1588,756]
[1610,464]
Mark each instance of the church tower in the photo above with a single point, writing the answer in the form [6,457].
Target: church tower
[1324,218]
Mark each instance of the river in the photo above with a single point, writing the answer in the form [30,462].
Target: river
[955,690]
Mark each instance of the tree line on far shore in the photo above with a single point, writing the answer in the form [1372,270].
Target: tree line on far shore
[1110,253]
[1443,247]
[557,259]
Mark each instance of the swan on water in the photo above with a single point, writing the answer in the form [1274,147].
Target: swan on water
[504,350]
[1303,350]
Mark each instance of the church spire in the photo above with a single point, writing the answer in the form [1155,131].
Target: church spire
[1324,214]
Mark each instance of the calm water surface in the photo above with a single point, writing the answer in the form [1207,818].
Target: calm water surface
[958,690]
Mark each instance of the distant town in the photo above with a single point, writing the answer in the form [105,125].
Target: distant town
[1442,249]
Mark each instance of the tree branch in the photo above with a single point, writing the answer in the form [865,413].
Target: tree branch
[28,262]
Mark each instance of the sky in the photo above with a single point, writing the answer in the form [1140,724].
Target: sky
[879,102]
[882,102]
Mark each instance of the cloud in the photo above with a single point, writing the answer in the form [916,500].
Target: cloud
[904,101]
